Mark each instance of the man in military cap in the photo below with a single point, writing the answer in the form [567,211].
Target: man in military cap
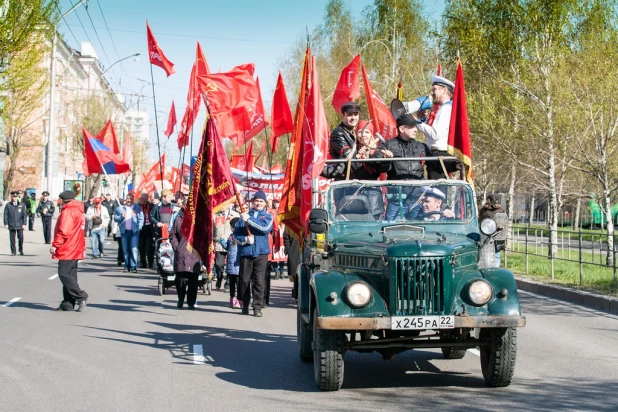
[432,206]
[46,210]
[68,248]
[404,145]
[436,133]
[15,218]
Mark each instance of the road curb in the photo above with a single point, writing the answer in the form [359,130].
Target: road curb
[580,297]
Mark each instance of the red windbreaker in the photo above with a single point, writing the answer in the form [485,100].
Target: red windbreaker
[69,239]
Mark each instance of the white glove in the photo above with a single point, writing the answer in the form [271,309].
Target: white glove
[244,216]
[249,240]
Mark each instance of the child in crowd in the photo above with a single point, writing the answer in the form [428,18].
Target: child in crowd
[232,265]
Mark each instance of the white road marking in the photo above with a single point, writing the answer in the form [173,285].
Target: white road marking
[10,302]
[53,277]
[198,355]
[475,352]
[107,243]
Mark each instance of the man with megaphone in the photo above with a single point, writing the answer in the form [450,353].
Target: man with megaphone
[436,133]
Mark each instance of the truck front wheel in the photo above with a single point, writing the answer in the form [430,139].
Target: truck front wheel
[327,357]
[498,355]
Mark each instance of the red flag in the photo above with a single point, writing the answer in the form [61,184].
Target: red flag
[107,136]
[234,100]
[315,143]
[213,189]
[194,99]
[432,116]
[171,121]
[249,159]
[459,129]
[200,61]
[127,153]
[99,158]
[289,208]
[153,175]
[281,115]
[348,87]
[156,54]
[381,117]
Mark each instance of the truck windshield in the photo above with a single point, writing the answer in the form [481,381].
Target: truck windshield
[419,201]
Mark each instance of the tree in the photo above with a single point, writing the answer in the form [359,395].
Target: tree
[25,84]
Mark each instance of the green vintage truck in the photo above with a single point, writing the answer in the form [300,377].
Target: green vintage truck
[419,279]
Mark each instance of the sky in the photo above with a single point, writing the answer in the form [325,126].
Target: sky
[230,33]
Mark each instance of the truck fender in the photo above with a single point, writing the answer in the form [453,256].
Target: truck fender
[502,279]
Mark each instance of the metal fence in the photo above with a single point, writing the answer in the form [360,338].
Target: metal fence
[587,249]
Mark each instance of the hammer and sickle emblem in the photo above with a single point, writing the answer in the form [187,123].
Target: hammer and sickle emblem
[211,87]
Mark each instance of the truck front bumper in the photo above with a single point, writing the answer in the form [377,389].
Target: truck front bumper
[335,323]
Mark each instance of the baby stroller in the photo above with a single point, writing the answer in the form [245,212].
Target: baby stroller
[165,268]
[165,264]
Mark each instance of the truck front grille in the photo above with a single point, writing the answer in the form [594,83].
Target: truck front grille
[419,286]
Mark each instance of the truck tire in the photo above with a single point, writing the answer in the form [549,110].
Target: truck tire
[304,337]
[498,358]
[453,353]
[327,357]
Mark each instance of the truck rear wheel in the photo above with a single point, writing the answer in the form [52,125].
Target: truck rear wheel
[498,358]
[304,338]
[327,357]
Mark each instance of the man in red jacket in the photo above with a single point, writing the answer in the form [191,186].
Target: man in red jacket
[68,248]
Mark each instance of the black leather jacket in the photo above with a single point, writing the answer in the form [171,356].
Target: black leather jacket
[404,170]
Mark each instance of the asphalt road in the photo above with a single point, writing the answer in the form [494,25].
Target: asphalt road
[132,350]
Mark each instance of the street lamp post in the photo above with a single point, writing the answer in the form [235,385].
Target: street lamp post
[118,61]
[52,95]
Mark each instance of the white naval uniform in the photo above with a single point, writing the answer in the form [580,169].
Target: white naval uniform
[436,136]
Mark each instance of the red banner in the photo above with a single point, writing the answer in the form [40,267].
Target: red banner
[107,136]
[381,116]
[459,129]
[348,87]
[281,115]
[156,54]
[315,142]
[194,99]
[98,158]
[289,208]
[153,175]
[234,100]
[171,121]
[213,189]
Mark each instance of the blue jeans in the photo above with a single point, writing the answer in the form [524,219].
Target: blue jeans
[392,210]
[97,240]
[130,241]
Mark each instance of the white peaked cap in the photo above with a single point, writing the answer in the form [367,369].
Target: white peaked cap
[434,192]
[442,81]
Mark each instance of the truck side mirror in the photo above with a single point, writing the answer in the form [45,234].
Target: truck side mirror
[317,220]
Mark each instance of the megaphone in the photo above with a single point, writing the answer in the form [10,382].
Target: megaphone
[419,104]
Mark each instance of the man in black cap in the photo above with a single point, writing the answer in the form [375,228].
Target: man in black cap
[404,145]
[15,218]
[46,210]
[68,248]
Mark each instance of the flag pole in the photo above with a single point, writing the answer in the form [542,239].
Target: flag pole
[154,100]
[270,161]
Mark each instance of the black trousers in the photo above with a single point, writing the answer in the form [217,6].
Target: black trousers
[31,217]
[47,224]
[120,258]
[219,267]
[186,284]
[233,279]
[71,292]
[434,169]
[252,270]
[146,247]
[20,238]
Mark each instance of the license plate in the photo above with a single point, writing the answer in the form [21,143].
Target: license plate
[423,322]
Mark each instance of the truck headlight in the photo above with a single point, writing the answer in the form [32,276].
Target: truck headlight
[488,226]
[358,294]
[480,292]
